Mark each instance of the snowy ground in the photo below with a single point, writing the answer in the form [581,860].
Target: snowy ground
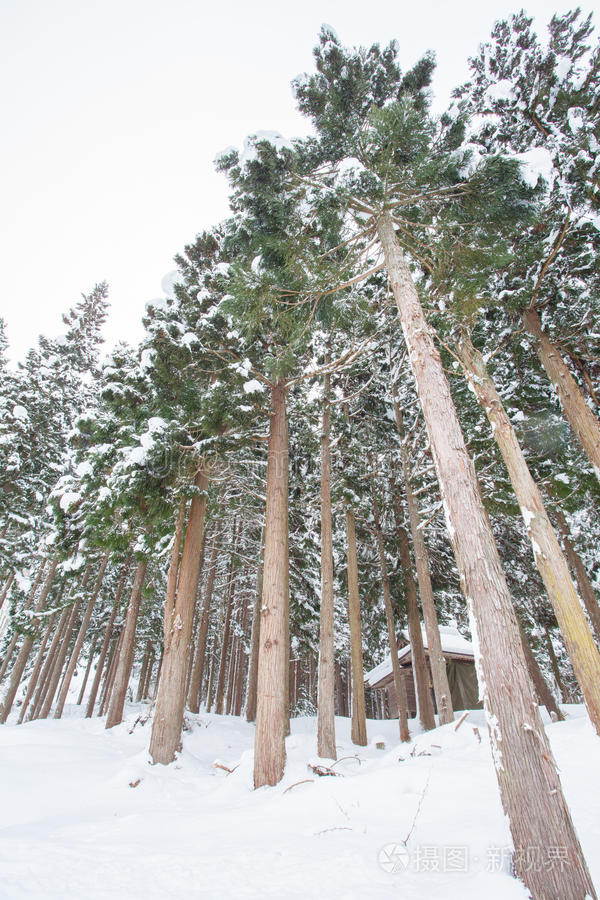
[73,825]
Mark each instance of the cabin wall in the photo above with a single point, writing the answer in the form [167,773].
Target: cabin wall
[462,679]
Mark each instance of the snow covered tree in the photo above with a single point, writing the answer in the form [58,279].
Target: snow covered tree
[538,104]
[364,110]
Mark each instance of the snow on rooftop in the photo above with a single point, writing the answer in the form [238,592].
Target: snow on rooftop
[452,642]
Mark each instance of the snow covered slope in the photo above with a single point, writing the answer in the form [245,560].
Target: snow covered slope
[83,814]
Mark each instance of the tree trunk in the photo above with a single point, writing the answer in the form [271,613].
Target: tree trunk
[340,689]
[80,639]
[34,677]
[48,667]
[419,661]
[125,657]
[255,641]
[143,670]
[61,655]
[241,664]
[232,665]
[272,702]
[585,586]
[211,680]
[158,671]
[170,703]
[529,783]
[581,418]
[437,662]
[542,690]
[220,698]
[8,655]
[326,689]
[359,718]
[198,671]
[549,558]
[191,654]
[107,636]
[174,569]
[401,711]
[554,665]
[26,647]
[88,669]
[28,603]
[6,588]
[148,679]
[311,680]
[110,671]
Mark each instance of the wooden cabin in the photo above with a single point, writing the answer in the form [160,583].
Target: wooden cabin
[460,666]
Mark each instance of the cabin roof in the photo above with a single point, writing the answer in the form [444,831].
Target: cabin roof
[454,646]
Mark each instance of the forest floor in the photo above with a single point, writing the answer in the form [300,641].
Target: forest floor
[84,815]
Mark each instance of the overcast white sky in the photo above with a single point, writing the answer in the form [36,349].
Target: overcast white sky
[114,110]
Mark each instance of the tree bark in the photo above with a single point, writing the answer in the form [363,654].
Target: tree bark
[555,667]
[198,671]
[174,569]
[401,711]
[220,696]
[6,588]
[549,558]
[48,667]
[272,701]
[211,679]
[232,662]
[539,682]
[525,766]
[419,661]
[157,676]
[110,671]
[586,590]
[255,641]
[582,420]
[148,679]
[60,703]
[125,657]
[437,662]
[326,688]
[359,718]
[61,655]
[143,670]
[28,603]
[88,669]
[34,677]
[26,647]
[170,703]
[107,636]
[241,664]
[8,655]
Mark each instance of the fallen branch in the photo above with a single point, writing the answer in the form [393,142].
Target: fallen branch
[418,810]
[342,758]
[461,720]
[413,752]
[338,828]
[141,720]
[304,781]
[218,765]
[323,771]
